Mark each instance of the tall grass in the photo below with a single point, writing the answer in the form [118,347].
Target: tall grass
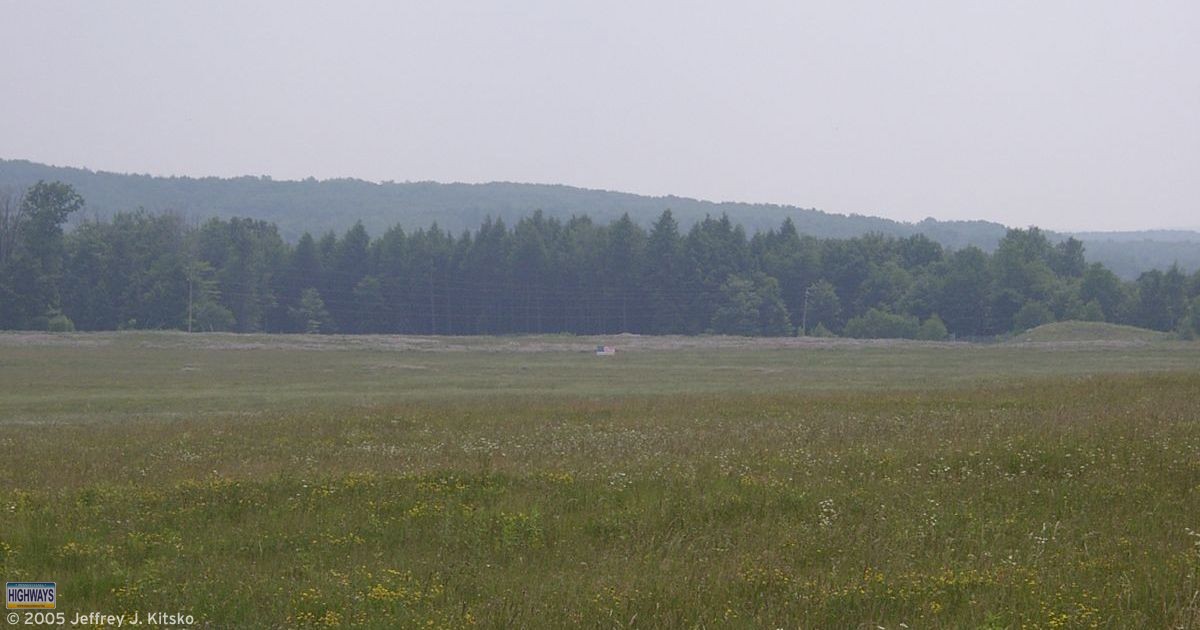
[1047,502]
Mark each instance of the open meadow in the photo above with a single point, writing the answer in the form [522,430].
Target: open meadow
[321,481]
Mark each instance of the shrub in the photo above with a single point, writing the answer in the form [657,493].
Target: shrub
[60,323]
[877,324]
[933,329]
[821,331]
[1189,324]
[212,317]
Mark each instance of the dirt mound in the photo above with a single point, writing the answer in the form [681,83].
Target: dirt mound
[1090,331]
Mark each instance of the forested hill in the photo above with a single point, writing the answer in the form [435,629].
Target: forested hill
[318,206]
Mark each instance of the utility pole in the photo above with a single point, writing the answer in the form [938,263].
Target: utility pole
[804,315]
[432,305]
[190,272]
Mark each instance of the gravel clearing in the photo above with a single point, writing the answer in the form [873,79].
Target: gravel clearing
[624,342]
[428,343]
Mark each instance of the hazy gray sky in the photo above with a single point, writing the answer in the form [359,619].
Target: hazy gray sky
[1078,115]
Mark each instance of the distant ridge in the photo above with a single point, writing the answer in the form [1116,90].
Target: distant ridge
[318,206]
[1162,236]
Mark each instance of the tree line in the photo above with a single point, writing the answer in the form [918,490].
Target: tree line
[139,270]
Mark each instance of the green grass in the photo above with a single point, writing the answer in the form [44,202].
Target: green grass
[104,377]
[1072,331]
[844,486]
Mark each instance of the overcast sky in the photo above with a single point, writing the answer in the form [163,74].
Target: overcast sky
[1070,115]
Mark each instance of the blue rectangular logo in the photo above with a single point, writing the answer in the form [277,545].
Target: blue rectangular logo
[30,595]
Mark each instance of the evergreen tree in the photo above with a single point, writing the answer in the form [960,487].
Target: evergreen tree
[311,310]
[793,260]
[304,270]
[623,258]
[350,264]
[713,251]
[664,277]
[531,270]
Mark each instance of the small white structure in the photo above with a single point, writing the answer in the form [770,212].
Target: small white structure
[605,351]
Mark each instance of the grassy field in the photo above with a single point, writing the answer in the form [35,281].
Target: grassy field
[381,482]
